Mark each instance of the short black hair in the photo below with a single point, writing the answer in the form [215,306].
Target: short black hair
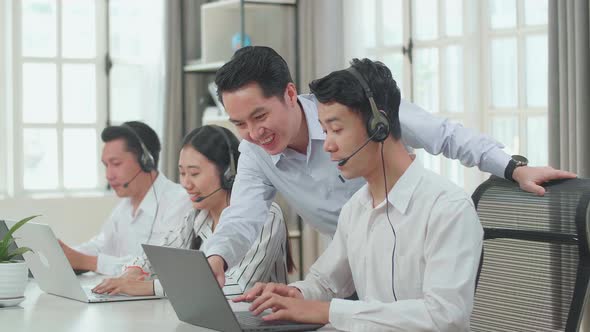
[254,64]
[146,133]
[342,87]
[209,142]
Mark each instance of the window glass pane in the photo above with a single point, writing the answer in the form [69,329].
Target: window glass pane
[502,13]
[125,91]
[504,73]
[425,19]
[39,28]
[79,93]
[395,63]
[80,164]
[454,171]
[454,17]
[392,22]
[429,161]
[369,15]
[535,12]
[426,78]
[505,130]
[453,79]
[537,148]
[135,29]
[40,159]
[39,98]
[78,29]
[536,71]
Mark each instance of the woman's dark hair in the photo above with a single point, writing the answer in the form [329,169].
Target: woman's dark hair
[209,142]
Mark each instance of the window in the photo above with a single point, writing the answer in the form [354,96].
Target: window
[59,87]
[449,45]
[516,96]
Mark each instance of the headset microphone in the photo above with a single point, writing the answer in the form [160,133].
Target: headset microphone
[342,162]
[200,199]
[126,184]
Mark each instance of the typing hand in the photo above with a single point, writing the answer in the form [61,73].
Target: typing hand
[261,288]
[293,309]
[530,178]
[114,286]
[218,267]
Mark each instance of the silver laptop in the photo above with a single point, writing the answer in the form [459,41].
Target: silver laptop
[53,271]
[197,298]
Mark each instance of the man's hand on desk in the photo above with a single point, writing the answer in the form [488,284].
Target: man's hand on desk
[77,259]
[218,267]
[114,286]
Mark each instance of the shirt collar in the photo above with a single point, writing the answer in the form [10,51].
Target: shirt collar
[401,194]
[308,104]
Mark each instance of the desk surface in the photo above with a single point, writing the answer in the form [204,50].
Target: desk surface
[45,312]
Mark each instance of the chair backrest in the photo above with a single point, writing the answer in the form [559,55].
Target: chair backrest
[536,267]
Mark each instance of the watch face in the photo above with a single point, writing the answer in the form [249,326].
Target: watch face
[520,160]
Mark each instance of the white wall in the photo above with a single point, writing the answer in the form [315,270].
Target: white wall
[73,219]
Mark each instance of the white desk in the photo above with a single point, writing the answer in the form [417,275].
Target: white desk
[45,312]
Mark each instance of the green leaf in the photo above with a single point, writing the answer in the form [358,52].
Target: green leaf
[4,248]
[17,252]
[15,227]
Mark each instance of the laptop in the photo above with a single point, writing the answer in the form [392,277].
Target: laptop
[197,298]
[53,271]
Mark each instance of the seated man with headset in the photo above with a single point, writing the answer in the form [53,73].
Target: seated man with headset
[150,204]
[409,241]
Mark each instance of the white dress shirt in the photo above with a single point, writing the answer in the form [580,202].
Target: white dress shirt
[310,182]
[123,233]
[431,262]
[266,261]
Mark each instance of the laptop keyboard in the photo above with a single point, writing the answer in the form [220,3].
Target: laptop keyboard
[246,319]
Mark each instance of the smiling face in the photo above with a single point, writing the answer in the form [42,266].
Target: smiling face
[200,177]
[345,133]
[270,123]
[121,167]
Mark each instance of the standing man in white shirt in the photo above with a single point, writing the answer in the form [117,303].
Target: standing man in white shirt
[282,151]
[150,204]
[409,241]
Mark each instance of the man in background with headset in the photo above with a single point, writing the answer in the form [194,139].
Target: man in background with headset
[409,241]
[150,204]
[282,151]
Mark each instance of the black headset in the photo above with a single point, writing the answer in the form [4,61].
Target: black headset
[229,174]
[145,159]
[378,123]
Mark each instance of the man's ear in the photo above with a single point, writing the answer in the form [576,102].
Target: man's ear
[291,95]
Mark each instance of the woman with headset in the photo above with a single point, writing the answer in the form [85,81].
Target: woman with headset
[207,166]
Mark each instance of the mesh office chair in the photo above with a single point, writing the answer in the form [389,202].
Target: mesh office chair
[536,267]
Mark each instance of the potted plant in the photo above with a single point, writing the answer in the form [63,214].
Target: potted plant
[13,273]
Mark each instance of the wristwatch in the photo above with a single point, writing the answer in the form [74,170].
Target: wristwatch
[516,161]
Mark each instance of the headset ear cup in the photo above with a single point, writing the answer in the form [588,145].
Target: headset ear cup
[227,180]
[378,128]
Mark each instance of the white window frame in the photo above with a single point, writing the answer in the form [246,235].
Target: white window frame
[522,112]
[5,101]
[17,123]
